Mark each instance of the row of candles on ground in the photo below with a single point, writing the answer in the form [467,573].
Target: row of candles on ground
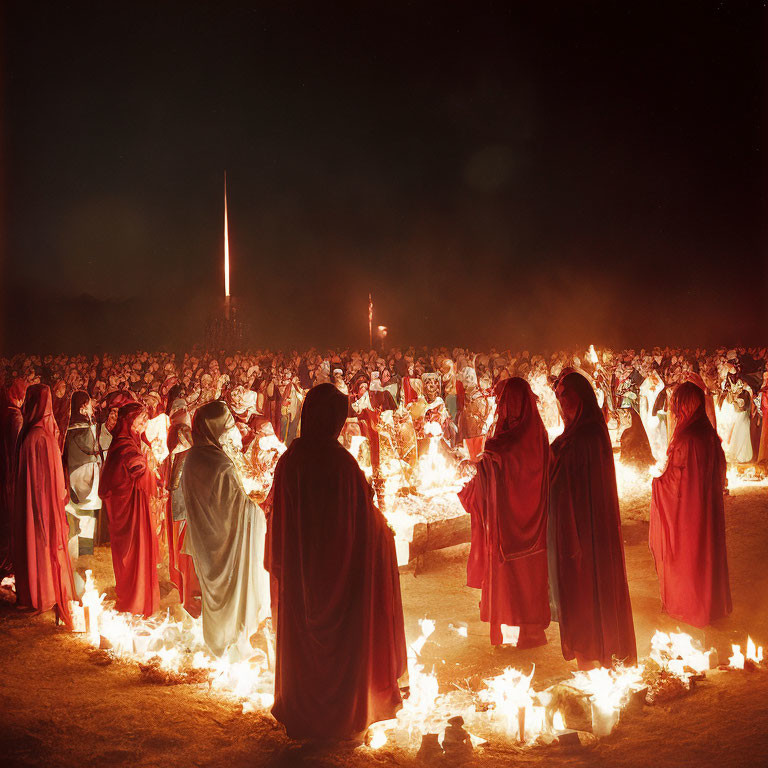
[510,708]
[507,707]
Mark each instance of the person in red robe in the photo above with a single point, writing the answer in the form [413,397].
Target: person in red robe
[507,500]
[687,531]
[126,486]
[61,397]
[181,567]
[42,567]
[11,421]
[762,452]
[340,638]
[587,575]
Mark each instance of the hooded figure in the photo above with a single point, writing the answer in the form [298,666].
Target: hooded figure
[587,575]
[82,459]
[340,639]
[687,531]
[507,500]
[762,398]
[635,446]
[126,486]
[60,406]
[41,561]
[224,535]
[11,420]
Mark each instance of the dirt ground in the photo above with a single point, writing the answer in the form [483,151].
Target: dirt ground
[59,707]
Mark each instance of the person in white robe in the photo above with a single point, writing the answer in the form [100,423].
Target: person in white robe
[654,419]
[735,434]
[83,460]
[225,537]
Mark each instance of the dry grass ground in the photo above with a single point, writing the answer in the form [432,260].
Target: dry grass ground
[60,708]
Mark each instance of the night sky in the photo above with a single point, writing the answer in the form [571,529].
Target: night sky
[525,174]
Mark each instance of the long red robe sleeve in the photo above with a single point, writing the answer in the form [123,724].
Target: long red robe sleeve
[507,501]
[687,530]
[586,555]
[42,567]
[126,486]
[340,637]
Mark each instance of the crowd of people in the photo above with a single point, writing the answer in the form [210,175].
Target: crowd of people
[262,476]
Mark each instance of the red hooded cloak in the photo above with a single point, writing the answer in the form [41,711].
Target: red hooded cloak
[11,421]
[507,500]
[340,639]
[762,455]
[587,574]
[42,567]
[687,531]
[126,486]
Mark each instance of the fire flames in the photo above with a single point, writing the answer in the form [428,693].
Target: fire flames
[677,653]
[511,704]
[609,692]
[739,660]
[506,707]
[437,475]
[175,647]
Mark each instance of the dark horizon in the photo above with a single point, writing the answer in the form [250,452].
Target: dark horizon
[533,178]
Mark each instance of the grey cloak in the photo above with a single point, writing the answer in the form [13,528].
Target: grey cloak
[225,535]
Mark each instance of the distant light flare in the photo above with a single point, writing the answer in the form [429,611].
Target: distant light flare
[226,242]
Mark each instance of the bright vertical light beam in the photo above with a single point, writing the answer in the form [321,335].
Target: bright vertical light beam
[226,241]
